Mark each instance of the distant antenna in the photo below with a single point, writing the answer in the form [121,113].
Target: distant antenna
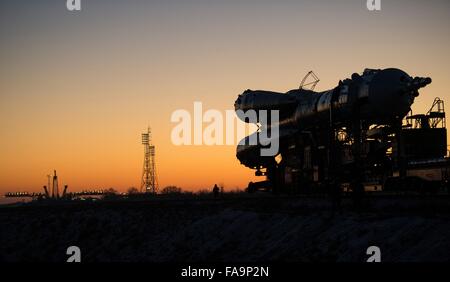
[149,182]
[49,186]
[55,190]
[304,84]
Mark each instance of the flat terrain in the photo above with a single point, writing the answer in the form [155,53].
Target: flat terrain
[237,228]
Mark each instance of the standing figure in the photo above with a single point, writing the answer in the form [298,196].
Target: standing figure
[216,191]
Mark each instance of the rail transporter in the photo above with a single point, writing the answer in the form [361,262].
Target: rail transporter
[359,134]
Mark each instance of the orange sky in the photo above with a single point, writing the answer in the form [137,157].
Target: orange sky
[78,89]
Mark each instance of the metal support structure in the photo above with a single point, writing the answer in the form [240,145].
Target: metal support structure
[149,182]
[55,187]
[312,84]
[401,159]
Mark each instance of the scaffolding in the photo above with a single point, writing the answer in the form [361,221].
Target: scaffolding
[149,182]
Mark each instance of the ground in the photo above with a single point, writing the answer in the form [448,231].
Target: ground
[239,228]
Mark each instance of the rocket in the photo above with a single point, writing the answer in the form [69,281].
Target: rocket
[374,97]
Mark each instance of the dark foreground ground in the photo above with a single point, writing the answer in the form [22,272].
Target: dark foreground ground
[241,228]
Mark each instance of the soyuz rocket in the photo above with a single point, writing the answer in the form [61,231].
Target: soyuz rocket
[374,97]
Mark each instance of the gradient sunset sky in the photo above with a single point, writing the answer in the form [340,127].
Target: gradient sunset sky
[77,89]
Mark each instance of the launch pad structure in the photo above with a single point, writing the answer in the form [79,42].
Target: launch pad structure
[51,192]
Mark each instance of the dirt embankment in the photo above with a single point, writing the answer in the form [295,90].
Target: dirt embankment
[229,230]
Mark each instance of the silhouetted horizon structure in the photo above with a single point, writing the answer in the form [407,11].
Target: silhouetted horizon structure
[149,182]
[54,188]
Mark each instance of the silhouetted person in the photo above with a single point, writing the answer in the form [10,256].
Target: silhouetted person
[216,191]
